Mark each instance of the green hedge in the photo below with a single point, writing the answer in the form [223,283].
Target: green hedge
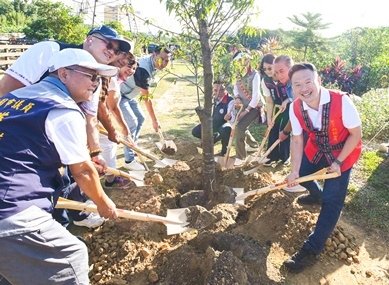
[373,107]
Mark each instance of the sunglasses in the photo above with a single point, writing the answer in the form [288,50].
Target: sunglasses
[92,77]
[109,45]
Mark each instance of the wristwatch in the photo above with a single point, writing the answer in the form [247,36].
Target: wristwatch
[338,162]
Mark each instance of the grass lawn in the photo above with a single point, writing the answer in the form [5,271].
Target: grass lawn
[368,199]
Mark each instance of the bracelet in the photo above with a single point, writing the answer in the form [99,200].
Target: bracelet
[95,152]
[338,162]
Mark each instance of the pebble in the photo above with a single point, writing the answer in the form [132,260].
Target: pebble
[153,276]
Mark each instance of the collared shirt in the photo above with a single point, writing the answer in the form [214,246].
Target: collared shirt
[141,79]
[350,116]
[256,97]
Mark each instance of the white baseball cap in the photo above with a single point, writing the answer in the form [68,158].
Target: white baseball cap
[73,56]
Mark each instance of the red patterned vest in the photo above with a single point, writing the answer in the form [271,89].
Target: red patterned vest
[330,140]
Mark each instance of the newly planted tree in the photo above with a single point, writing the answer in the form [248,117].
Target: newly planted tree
[208,21]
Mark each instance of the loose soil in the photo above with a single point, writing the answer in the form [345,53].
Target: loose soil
[229,244]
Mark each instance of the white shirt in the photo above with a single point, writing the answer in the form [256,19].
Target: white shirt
[34,62]
[350,116]
[66,129]
[256,96]
[265,89]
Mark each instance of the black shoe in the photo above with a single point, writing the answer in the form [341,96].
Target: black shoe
[308,199]
[300,260]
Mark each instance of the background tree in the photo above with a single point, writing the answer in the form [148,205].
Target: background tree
[367,47]
[308,38]
[5,7]
[208,21]
[12,22]
[55,21]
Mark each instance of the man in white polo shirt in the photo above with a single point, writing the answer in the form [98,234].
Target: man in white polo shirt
[43,127]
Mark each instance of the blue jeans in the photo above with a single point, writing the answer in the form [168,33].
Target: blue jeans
[133,115]
[332,195]
[72,191]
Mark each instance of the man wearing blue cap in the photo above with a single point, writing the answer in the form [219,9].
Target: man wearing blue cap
[105,45]
[43,127]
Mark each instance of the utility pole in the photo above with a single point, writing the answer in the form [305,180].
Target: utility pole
[94,13]
[127,7]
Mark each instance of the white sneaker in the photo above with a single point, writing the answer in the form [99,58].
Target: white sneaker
[238,162]
[92,221]
[134,165]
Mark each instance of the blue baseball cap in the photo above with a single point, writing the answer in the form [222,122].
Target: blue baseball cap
[111,34]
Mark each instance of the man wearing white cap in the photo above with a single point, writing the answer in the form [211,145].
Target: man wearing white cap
[41,128]
[105,45]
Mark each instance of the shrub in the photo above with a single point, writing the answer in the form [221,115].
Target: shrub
[373,108]
[338,75]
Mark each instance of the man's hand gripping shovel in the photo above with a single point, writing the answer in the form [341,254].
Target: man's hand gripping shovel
[321,174]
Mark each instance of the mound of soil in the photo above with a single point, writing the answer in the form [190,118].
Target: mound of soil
[227,243]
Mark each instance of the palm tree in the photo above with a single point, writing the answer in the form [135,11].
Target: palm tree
[308,38]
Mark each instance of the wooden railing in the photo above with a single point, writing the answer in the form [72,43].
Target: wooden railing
[9,53]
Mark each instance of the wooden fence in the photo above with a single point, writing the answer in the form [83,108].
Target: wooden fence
[9,53]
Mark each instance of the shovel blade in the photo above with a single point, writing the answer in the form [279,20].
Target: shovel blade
[159,145]
[137,175]
[167,147]
[239,192]
[165,162]
[177,221]
[221,160]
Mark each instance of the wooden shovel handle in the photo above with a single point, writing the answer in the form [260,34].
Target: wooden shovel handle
[161,137]
[321,174]
[273,146]
[133,147]
[118,172]
[267,133]
[232,135]
[131,215]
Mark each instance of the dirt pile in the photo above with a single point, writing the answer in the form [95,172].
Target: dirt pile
[228,244]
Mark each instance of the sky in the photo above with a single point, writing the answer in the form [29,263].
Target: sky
[342,14]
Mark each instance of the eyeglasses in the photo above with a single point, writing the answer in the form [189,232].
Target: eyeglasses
[267,68]
[92,77]
[109,45]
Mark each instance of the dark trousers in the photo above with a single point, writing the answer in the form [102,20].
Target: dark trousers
[332,195]
[221,133]
[282,151]
[71,191]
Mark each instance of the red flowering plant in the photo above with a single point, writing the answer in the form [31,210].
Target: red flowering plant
[338,76]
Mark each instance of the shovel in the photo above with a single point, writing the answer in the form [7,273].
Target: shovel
[175,220]
[137,179]
[166,146]
[321,174]
[159,163]
[263,159]
[267,133]
[224,160]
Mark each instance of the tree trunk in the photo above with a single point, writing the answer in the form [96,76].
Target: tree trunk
[205,114]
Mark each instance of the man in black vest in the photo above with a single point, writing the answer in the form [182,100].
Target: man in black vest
[221,128]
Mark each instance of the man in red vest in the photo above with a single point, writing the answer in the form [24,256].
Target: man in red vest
[333,127]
